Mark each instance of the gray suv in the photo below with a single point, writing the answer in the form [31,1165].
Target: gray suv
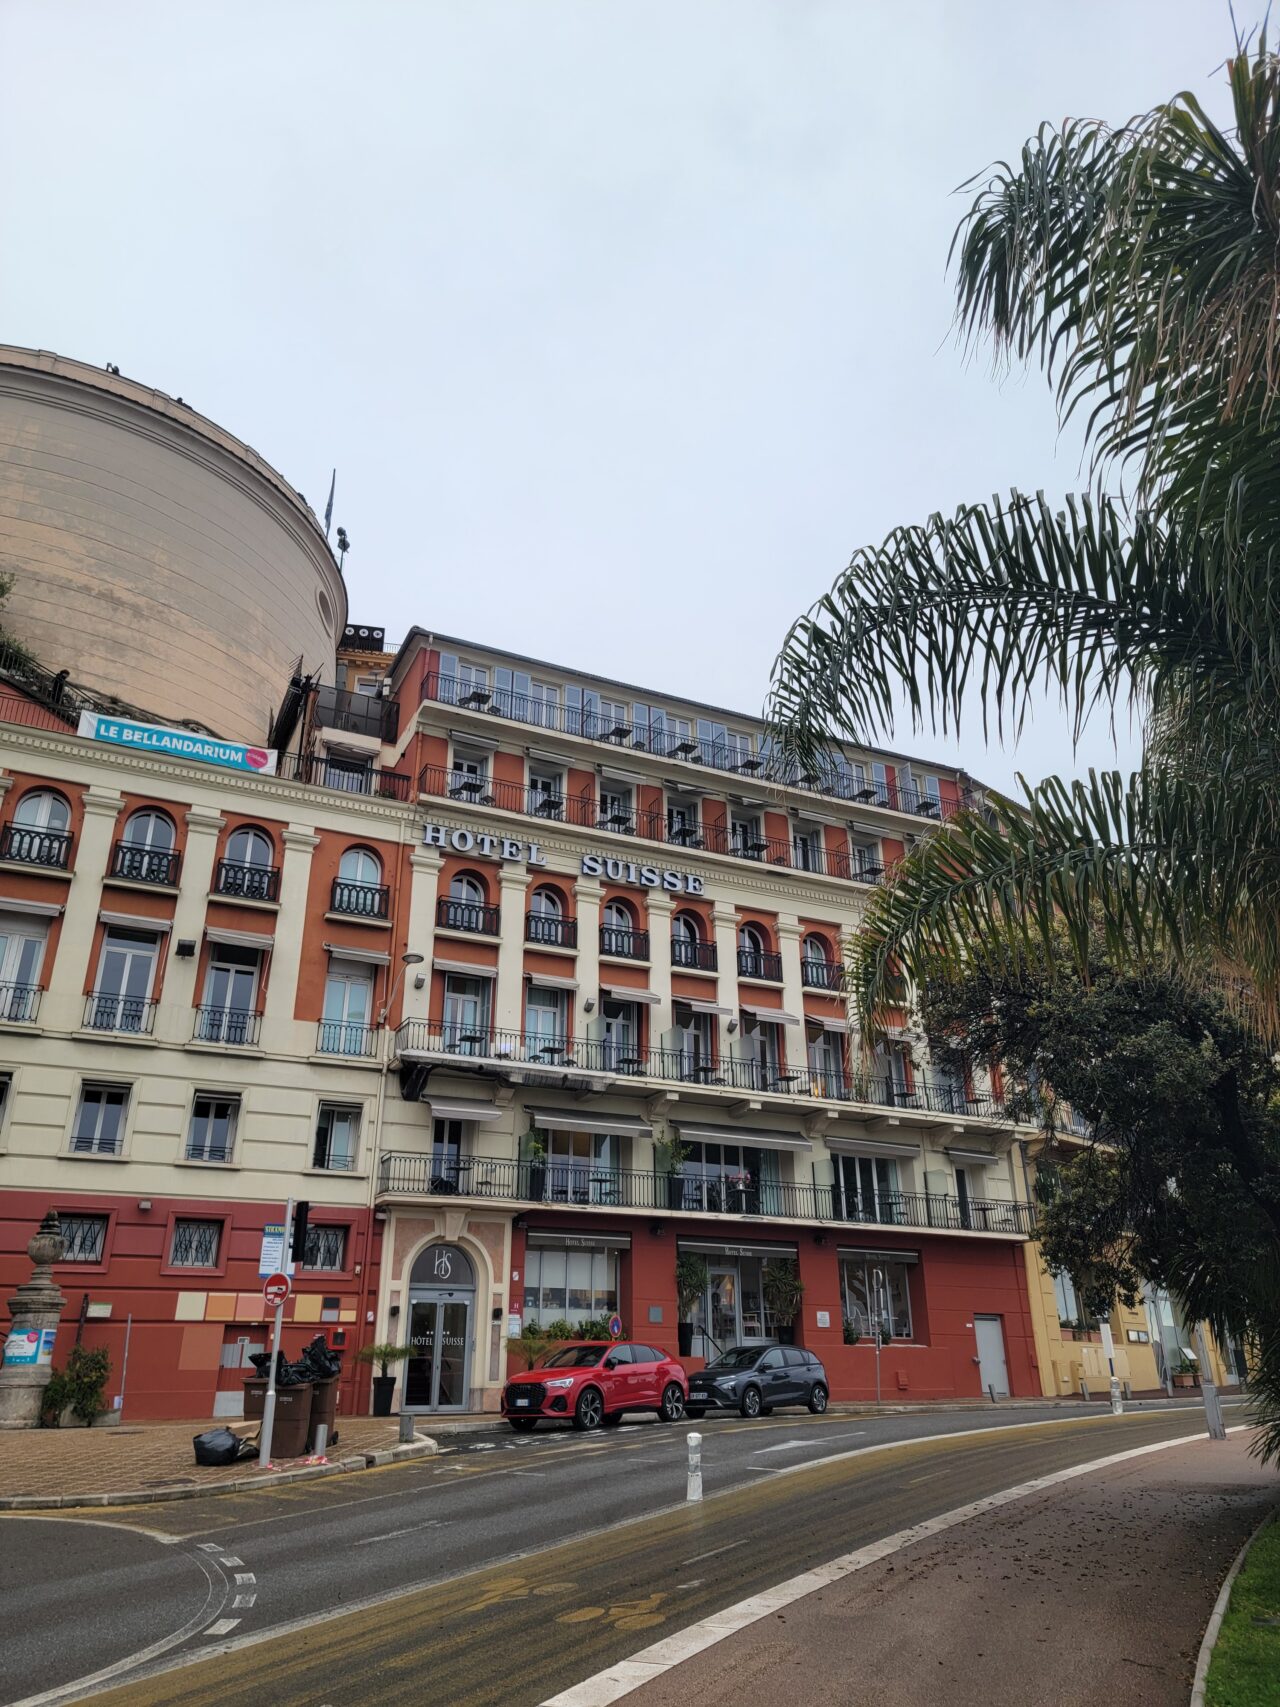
[754,1379]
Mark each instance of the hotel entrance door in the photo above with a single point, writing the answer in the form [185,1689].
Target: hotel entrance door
[436,1371]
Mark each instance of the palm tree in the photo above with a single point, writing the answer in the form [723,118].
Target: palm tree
[1140,266]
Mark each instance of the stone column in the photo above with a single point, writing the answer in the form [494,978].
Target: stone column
[789,935]
[725,918]
[587,894]
[508,996]
[64,999]
[661,908]
[174,1021]
[282,980]
[35,1310]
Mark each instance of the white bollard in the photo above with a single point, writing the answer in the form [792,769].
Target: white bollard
[1117,1397]
[694,1489]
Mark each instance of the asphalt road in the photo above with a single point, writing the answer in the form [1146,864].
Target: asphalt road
[416,1582]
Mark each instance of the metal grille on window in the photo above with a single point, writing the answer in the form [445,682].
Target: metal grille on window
[85,1237]
[195,1243]
[326,1247]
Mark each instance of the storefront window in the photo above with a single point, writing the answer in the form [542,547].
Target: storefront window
[569,1285]
[734,1311]
[875,1289]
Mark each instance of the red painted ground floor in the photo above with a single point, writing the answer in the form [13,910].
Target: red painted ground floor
[186,1272]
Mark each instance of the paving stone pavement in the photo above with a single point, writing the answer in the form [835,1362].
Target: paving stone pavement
[146,1457]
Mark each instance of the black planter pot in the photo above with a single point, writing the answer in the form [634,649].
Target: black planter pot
[383,1387]
[684,1333]
[786,1333]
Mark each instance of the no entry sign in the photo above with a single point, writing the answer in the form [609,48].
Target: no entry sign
[275,1290]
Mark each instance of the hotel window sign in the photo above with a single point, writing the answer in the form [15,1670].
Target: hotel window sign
[512,851]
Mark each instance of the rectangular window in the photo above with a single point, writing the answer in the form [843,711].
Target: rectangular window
[569,1285]
[876,1293]
[22,943]
[614,721]
[121,999]
[747,840]
[712,739]
[213,1127]
[615,808]
[544,705]
[337,1137]
[325,1248]
[469,778]
[348,1011]
[738,749]
[466,1014]
[806,848]
[694,1044]
[544,1020]
[228,1012]
[682,824]
[546,794]
[195,1244]
[85,1235]
[6,1091]
[1064,1290]
[98,1128]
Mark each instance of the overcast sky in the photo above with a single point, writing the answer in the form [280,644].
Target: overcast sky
[623,324]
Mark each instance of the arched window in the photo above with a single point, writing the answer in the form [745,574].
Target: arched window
[42,809]
[546,904]
[685,927]
[752,940]
[618,916]
[817,969]
[150,829]
[467,888]
[815,949]
[249,846]
[358,865]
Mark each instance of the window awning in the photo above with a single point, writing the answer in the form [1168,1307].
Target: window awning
[576,1120]
[708,1248]
[465,966]
[365,956]
[550,982]
[870,1147]
[775,1016]
[735,1135]
[877,1256]
[550,1239]
[238,939]
[701,1007]
[624,993]
[442,1108]
[137,922]
[46,909]
[825,1024]
[979,1158]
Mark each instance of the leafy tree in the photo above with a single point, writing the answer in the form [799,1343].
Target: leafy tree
[1179,1181]
[1140,267]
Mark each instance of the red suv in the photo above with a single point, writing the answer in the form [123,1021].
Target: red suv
[593,1382]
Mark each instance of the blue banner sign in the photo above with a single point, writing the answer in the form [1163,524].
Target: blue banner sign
[176,743]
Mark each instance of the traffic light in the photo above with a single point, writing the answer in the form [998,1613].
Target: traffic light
[298,1244]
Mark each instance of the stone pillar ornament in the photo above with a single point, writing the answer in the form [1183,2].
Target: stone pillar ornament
[35,1308]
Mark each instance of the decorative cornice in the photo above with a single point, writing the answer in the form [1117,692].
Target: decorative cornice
[199,819]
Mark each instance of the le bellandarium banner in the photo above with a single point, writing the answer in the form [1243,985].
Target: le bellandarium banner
[176,743]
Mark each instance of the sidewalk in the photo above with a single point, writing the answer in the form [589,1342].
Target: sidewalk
[149,1461]
[1094,1592]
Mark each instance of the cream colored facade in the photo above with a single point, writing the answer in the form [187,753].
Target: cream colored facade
[155,556]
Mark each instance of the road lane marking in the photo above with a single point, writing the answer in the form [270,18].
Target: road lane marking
[243,1578]
[931,1477]
[391,1534]
[791,1445]
[727,1548]
[222,1627]
[242,1600]
[627,1675]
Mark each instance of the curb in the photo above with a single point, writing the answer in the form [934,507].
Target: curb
[422,1447]
[1214,1627]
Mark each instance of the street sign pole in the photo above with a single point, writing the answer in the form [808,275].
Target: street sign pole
[1208,1389]
[1109,1352]
[269,1403]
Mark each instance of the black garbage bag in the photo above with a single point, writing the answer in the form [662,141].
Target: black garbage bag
[217,1446]
[321,1362]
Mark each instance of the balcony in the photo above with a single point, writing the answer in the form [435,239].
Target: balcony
[124,1016]
[833,781]
[345,776]
[155,866]
[553,932]
[357,713]
[50,849]
[690,1193]
[820,974]
[701,956]
[360,900]
[418,1039]
[760,964]
[340,1037]
[624,944]
[455,915]
[242,882]
[235,1027]
[19,1003]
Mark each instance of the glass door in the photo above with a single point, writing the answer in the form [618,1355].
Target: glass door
[466,1015]
[125,976]
[230,994]
[348,1003]
[723,1316]
[436,1369]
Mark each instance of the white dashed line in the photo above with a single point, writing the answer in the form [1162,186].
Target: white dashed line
[222,1627]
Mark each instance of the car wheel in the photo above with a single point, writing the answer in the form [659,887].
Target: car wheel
[695,1413]
[612,1419]
[818,1399]
[750,1404]
[589,1411]
[672,1407]
[522,1425]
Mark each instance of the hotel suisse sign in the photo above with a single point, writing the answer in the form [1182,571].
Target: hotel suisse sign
[508,849]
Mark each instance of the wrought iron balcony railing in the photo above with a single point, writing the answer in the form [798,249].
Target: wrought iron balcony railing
[27,846]
[701,955]
[624,944]
[345,776]
[247,882]
[820,974]
[554,932]
[341,1037]
[19,1003]
[360,900]
[237,1027]
[456,915]
[124,1015]
[136,864]
[758,963]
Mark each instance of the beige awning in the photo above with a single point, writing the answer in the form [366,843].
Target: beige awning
[550,982]
[364,956]
[465,966]
[701,1007]
[869,1147]
[451,1108]
[775,1016]
[623,993]
[758,1139]
[136,922]
[577,1120]
[238,939]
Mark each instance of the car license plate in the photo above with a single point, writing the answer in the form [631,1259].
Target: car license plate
[522,1401]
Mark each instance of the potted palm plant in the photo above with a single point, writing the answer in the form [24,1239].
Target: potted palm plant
[384,1382]
[783,1292]
[692,1279]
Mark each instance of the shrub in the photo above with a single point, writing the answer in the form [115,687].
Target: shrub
[81,1385]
